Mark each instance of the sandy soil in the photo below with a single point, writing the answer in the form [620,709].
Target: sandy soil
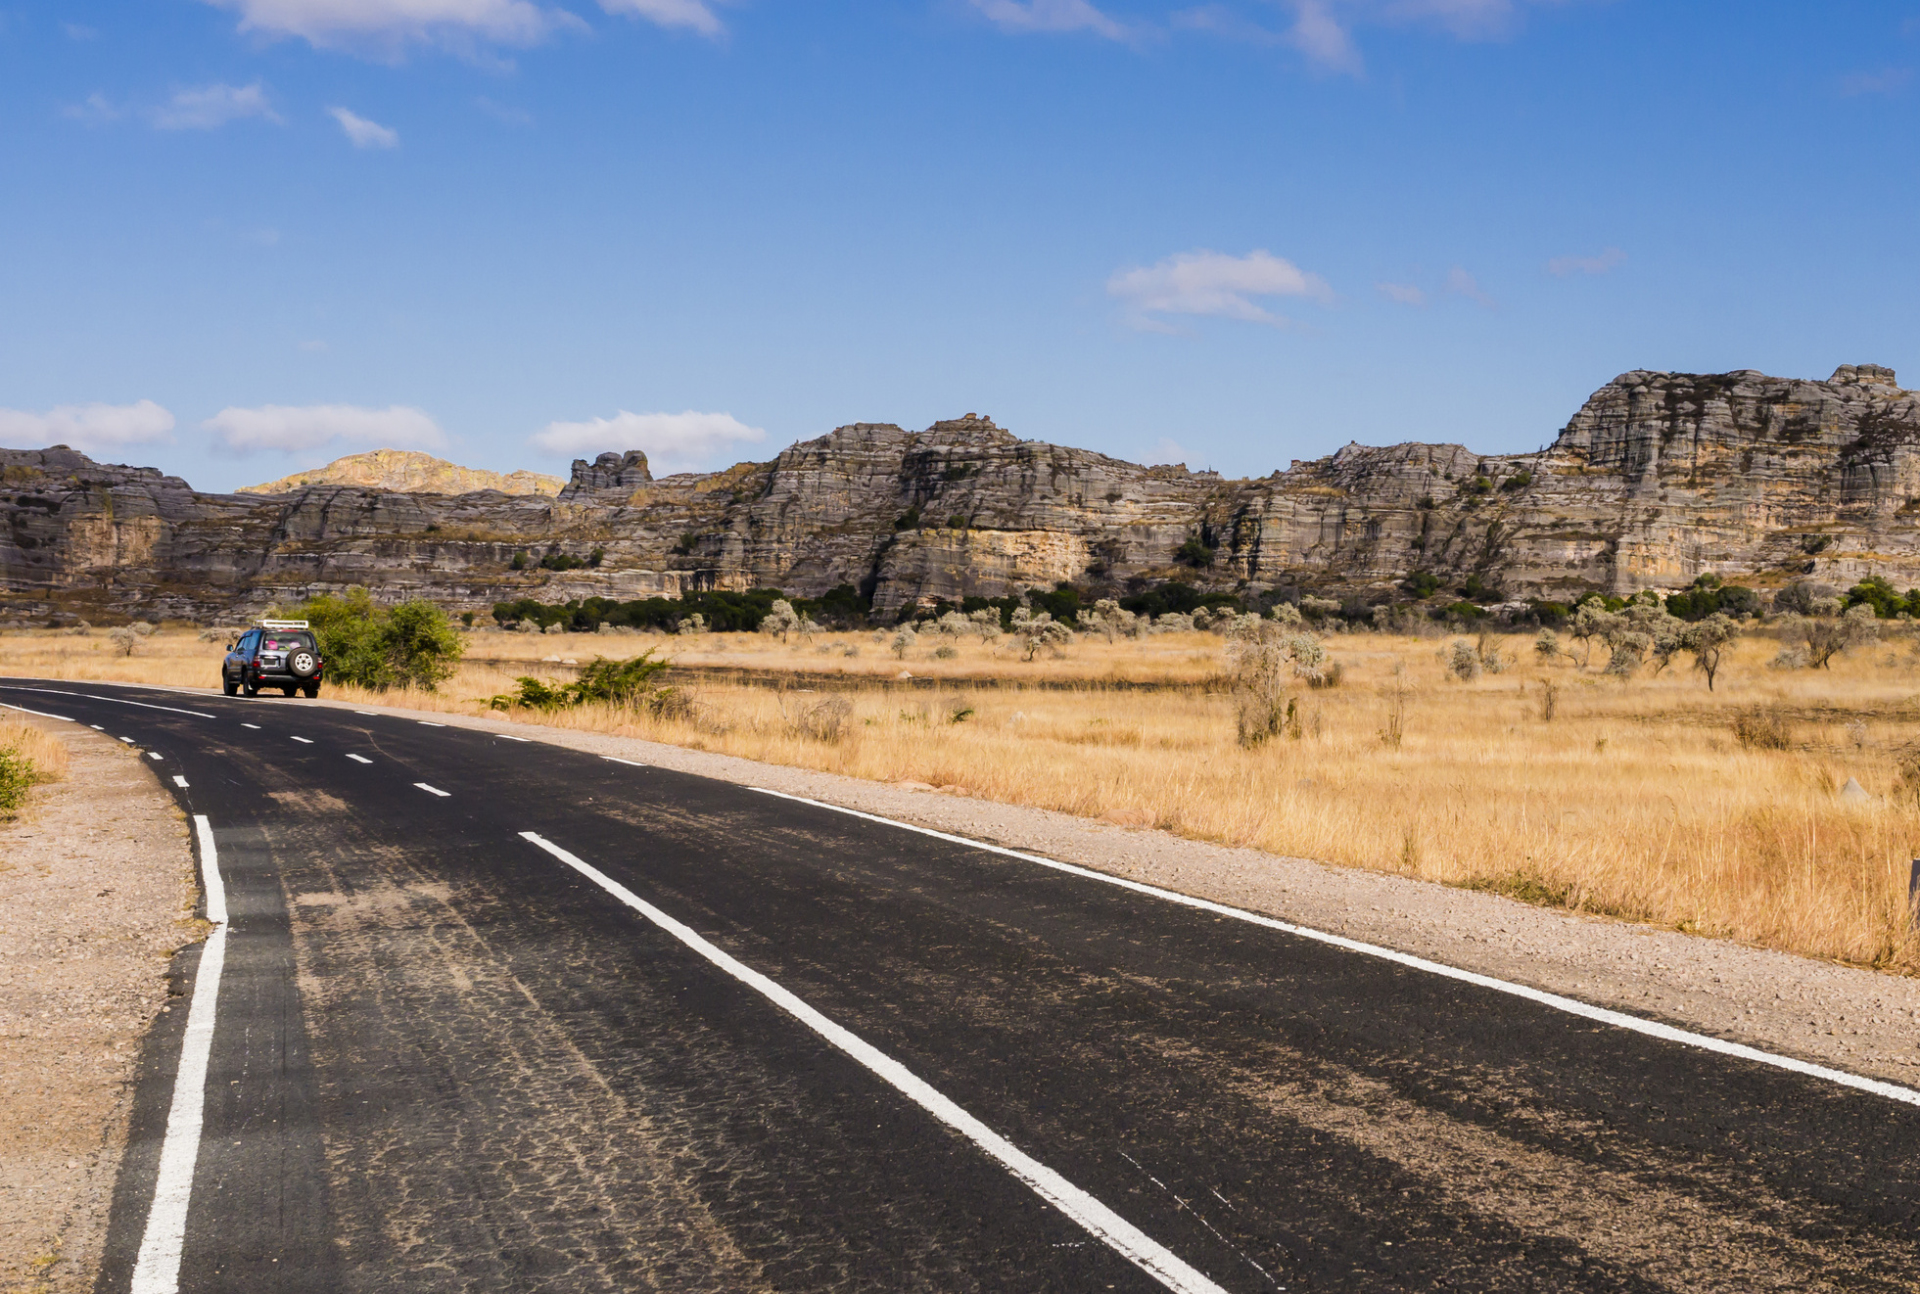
[96,894]
[1849,1018]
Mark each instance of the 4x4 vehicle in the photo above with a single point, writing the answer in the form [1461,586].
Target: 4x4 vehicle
[275,653]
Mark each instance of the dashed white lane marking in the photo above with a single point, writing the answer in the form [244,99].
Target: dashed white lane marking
[359,759]
[117,700]
[154,754]
[433,790]
[96,727]
[128,740]
[304,741]
[179,780]
[254,726]
[425,724]
[1572,1006]
[157,1270]
[64,719]
[1122,1236]
[630,763]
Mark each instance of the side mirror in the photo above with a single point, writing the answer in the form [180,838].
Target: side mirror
[229,646]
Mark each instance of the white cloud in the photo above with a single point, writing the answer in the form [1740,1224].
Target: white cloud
[1209,283]
[1889,80]
[674,442]
[94,111]
[695,15]
[89,427]
[389,26]
[291,429]
[1322,38]
[1405,293]
[364,133]
[209,107]
[1167,452]
[1461,283]
[1050,15]
[1561,266]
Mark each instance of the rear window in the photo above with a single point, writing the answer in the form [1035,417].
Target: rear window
[285,642]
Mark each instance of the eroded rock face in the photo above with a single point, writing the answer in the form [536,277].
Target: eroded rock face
[409,472]
[1658,478]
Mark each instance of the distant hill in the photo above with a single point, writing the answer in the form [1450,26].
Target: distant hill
[405,472]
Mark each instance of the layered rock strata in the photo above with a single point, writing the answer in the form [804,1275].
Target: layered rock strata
[1658,478]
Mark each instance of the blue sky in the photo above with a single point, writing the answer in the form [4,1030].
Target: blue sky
[246,236]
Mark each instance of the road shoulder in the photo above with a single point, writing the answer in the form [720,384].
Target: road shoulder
[96,894]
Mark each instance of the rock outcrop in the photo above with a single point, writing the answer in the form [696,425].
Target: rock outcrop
[1658,478]
[406,472]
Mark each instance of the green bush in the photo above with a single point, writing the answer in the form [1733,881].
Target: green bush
[17,777]
[607,682]
[413,645]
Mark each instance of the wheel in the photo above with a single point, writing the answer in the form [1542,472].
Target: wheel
[228,686]
[311,690]
[249,686]
[289,690]
[303,665]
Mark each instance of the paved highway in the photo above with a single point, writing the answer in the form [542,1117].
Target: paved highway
[485,1014]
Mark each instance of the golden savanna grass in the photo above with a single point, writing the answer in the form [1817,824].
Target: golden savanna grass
[1635,800]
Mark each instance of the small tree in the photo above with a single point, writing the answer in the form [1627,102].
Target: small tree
[781,620]
[1462,661]
[1546,647]
[903,640]
[124,639]
[1827,638]
[1708,640]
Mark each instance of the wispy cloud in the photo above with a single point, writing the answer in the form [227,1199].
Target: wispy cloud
[292,429]
[95,111]
[364,133]
[1319,35]
[1323,30]
[387,28]
[208,107]
[673,442]
[1888,80]
[1405,293]
[1051,15]
[1563,266]
[504,112]
[1211,283]
[1461,283]
[694,15]
[90,427]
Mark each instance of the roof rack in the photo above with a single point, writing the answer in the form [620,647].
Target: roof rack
[282,624]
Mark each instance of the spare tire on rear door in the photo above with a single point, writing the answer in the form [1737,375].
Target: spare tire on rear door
[303,663]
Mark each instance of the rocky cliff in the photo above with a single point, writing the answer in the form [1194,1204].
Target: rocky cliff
[408,472]
[1659,477]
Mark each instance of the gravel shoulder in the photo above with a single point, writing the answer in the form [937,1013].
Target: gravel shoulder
[96,893]
[1842,1016]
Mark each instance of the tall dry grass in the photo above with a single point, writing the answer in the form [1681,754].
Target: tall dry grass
[1635,799]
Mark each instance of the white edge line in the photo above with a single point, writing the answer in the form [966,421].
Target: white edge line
[116,700]
[504,737]
[1572,1006]
[42,713]
[157,1270]
[630,763]
[1126,1239]
[433,790]
[425,723]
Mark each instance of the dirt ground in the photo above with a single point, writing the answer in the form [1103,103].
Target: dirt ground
[96,894]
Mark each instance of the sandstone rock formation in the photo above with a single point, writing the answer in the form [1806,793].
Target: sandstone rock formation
[406,472]
[1659,477]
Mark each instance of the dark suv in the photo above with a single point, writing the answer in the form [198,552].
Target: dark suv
[280,653]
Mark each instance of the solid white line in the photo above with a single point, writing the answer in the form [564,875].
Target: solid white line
[305,741]
[155,755]
[503,736]
[61,717]
[359,759]
[433,790]
[424,724]
[1126,1239]
[179,780]
[157,1270]
[628,762]
[371,714]
[254,726]
[1572,1006]
[49,691]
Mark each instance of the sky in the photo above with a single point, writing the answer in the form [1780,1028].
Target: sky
[242,237]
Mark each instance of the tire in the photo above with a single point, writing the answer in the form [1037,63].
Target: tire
[249,686]
[228,686]
[311,690]
[303,665]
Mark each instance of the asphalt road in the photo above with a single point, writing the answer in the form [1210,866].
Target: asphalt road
[446,1057]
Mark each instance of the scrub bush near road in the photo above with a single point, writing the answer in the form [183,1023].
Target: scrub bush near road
[629,683]
[28,757]
[413,645]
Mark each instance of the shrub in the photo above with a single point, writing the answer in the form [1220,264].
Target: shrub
[824,720]
[903,640]
[632,683]
[412,645]
[1762,730]
[1195,552]
[1546,647]
[17,777]
[519,562]
[1420,585]
[124,639]
[1462,661]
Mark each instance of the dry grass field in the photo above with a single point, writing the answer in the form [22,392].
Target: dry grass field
[1635,799]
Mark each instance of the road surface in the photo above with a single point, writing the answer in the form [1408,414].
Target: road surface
[490,1014]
